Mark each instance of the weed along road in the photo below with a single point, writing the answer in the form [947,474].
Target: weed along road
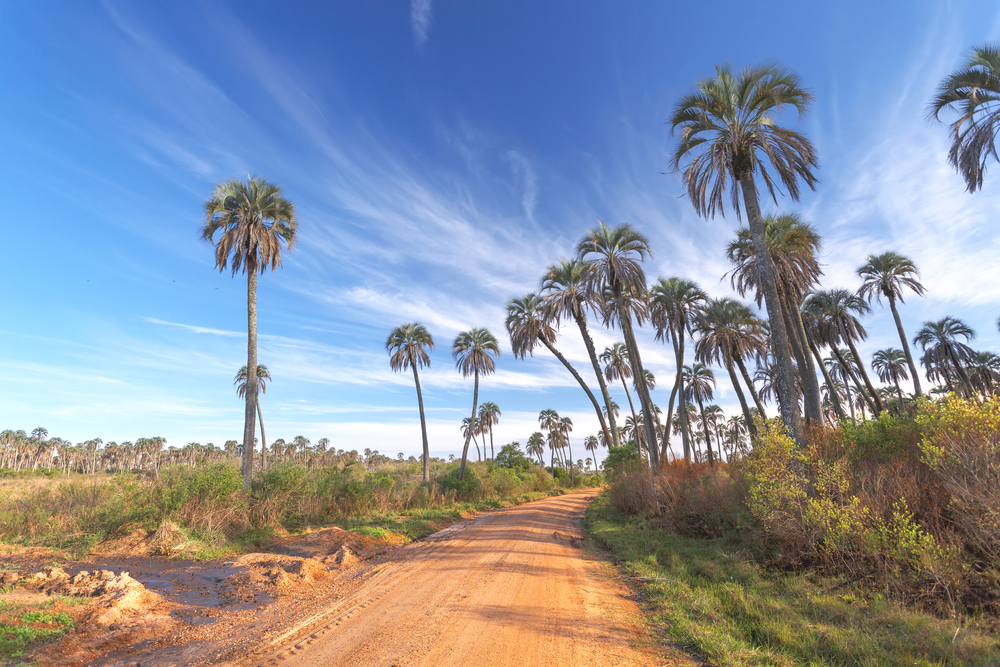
[513,587]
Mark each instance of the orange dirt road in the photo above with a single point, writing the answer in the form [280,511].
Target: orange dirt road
[512,587]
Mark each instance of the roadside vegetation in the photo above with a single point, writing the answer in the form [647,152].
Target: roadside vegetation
[877,544]
[214,514]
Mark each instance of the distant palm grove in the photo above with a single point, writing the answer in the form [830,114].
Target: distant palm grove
[790,341]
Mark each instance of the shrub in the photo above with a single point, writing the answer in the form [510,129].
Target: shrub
[961,444]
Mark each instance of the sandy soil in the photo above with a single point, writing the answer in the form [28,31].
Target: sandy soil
[512,587]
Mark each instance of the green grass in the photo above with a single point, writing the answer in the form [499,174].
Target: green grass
[22,630]
[735,613]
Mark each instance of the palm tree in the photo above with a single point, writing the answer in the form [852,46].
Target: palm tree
[470,429]
[728,130]
[489,416]
[253,220]
[263,377]
[973,92]
[548,419]
[567,293]
[617,367]
[475,353]
[839,375]
[674,304]
[536,447]
[407,346]
[890,366]
[886,275]
[614,256]
[944,353]
[527,323]
[565,428]
[728,332]
[984,373]
[700,381]
[794,247]
[836,312]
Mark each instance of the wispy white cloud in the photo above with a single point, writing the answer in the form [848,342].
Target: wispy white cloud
[420,19]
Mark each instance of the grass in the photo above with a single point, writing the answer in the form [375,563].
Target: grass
[709,599]
[26,625]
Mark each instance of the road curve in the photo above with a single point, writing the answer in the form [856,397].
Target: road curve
[507,588]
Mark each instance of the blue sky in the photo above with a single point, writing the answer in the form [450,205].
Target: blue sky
[441,155]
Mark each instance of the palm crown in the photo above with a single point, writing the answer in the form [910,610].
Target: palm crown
[973,91]
[407,346]
[728,130]
[886,275]
[253,219]
[474,352]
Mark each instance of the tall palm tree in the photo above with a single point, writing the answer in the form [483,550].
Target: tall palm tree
[489,416]
[536,447]
[263,377]
[674,305]
[972,91]
[890,366]
[408,347]
[944,353]
[475,352]
[886,275]
[728,332]
[527,324]
[794,247]
[837,313]
[568,293]
[252,219]
[700,381]
[614,256]
[617,367]
[728,131]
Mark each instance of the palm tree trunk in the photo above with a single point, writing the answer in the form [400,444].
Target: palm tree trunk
[868,383]
[249,428]
[640,379]
[779,337]
[570,447]
[581,320]
[465,449]
[423,422]
[850,403]
[906,347]
[751,428]
[899,392]
[635,419]
[682,405]
[665,435]
[829,381]
[590,395]
[808,372]
[263,442]
[493,456]
[708,436]
[753,390]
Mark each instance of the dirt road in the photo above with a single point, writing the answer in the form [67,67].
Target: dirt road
[513,587]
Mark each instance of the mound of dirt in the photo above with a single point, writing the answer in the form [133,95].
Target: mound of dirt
[116,594]
[273,573]
[322,545]
[169,539]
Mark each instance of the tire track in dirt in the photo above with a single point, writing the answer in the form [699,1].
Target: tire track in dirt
[512,587]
